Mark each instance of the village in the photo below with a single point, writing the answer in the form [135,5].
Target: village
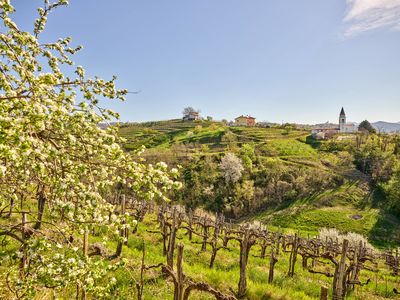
[319,132]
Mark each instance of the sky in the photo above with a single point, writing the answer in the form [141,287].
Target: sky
[279,61]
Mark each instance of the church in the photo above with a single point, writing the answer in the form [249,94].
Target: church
[326,131]
[346,127]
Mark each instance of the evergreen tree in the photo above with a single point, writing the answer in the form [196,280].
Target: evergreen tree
[366,126]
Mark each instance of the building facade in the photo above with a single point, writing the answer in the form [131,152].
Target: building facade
[191,116]
[245,121]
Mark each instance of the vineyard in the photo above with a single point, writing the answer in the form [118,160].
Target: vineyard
[174,253]
[349,267]
[336,268]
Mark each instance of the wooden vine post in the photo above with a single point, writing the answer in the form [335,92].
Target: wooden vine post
[355,268]
[339,278]
[179,278]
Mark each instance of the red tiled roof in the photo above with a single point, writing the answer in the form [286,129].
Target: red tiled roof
[247,117]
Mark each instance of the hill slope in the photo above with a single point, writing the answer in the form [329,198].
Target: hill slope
[348,206]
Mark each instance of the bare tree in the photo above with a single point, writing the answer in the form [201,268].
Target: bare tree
[188,110]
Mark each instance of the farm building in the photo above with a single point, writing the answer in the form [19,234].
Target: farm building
[191,116]
[245,121]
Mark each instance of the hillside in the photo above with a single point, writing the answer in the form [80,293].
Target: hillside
[347,206]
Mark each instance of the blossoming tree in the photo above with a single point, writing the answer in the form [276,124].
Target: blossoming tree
[57,165]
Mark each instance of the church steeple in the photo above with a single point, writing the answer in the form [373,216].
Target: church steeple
[342,121]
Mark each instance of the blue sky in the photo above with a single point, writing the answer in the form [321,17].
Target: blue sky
[291,61]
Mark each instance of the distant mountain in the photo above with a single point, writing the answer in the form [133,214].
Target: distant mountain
[386,126]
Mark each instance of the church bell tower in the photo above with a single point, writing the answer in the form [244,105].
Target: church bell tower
[342,120]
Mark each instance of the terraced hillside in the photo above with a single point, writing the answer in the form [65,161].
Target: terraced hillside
[164,134]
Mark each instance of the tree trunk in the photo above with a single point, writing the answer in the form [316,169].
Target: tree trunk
[272,263]
[245,245]
[293,256]
[140,284]
[277,244]
[213,256]
[41,205]
[11,208]
[205,238]
[118,252]
[304,262]
[190,224]
[24,257]
[324,293]
[85,253]
[164,230]
[171,244]
[263,249]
